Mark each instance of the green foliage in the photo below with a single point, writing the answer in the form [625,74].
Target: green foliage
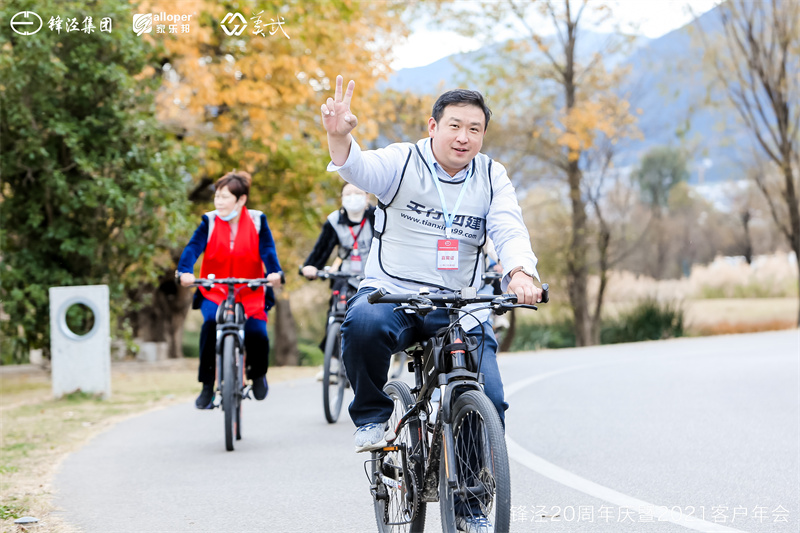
[310,354]
[650,320]
[661,169]
[11,511]
[93,192]
[559,334]
[191,344]
[79,397]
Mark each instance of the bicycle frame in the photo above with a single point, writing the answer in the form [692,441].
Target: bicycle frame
[447,362]
[230,315]
[430,367]
[231,321]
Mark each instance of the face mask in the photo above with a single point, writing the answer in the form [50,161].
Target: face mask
[354,203]
[230,217]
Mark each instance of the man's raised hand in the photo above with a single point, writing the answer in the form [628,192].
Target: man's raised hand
[336,116]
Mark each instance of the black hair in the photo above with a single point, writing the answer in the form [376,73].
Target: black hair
[461,97]
[237,182]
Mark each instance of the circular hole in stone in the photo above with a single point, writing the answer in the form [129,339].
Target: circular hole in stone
[80,319]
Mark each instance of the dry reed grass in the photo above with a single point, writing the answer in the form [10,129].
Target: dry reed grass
[772,276]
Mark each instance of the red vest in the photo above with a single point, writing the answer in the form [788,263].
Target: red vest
[244,261]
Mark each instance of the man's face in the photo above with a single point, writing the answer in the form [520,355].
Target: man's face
[458,136]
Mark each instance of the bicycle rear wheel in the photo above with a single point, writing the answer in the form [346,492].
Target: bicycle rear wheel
[229,396]
[483,486]
[334,379]
[398,500]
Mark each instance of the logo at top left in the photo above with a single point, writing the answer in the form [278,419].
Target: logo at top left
[24,22]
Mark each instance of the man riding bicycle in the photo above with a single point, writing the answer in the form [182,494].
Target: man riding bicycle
[438,200]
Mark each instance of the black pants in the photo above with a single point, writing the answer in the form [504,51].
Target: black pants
[256,346]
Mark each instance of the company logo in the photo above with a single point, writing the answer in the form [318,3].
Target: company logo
[142,23]
[26,21]
[230,18]
[163,22]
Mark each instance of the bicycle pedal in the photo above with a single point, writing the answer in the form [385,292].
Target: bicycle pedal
[217,401]
[392,448]
[246,392]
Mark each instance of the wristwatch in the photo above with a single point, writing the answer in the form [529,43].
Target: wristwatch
[520,269]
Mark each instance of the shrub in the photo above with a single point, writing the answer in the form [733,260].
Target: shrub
[191,344]
[310,354]
[536,336]
[649,320]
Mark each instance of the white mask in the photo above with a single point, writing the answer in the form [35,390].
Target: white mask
[230,216]
[354,204]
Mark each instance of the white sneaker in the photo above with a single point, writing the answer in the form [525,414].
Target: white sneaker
[371,437]
[334,378]
[501,322]
[474,524]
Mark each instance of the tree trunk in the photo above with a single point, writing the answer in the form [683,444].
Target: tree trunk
[509,336]
[793,206]
[577,271]
[603,245]
[286,353]
[748,241]
[163,319]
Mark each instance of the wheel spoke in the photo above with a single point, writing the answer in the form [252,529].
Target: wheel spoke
[398,509]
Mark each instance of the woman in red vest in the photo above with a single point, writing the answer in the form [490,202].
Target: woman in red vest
[237,243]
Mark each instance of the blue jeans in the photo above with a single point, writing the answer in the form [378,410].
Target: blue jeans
[256,344]
[371,333]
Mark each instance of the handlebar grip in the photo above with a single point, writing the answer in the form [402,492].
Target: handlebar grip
[545,293]
[283,278]
[374,297]
[300,270]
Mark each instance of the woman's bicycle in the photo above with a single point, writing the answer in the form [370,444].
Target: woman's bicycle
[334,378]
[231,383]
[456,453]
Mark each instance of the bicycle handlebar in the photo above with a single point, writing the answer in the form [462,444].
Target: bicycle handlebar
[252,283]
[456,299]
[491,275]
[327,274]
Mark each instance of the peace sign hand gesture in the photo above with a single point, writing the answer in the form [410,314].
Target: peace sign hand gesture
[336,116]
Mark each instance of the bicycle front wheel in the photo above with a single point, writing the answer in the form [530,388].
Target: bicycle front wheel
[483,483]
[334,379]
[398,494]
[239,388]
[229,396]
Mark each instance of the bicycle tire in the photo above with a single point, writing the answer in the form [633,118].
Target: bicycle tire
[333,383]
[481,462]
[409,435]
[229,390]
[239,386]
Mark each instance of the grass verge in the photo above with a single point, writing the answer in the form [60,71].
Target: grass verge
[37,432]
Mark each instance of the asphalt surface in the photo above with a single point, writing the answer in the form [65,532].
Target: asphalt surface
[680,435]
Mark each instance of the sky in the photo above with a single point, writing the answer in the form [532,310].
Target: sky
[654,18]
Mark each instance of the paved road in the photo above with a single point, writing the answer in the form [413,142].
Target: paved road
[681,435]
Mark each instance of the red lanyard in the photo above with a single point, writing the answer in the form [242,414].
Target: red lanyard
[357,235]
